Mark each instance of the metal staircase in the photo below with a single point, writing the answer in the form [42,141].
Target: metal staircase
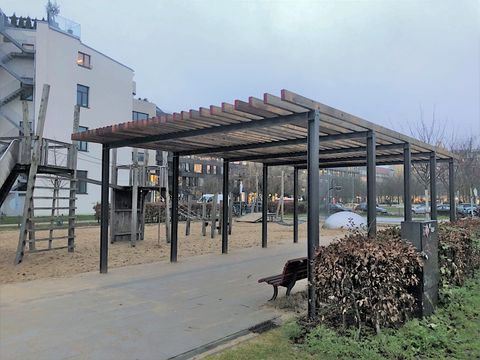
[12,96]
[9,157]
[6,56]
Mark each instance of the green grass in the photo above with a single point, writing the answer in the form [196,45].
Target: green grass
[451,333]
[14,220]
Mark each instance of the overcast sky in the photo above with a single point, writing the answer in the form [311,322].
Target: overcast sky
[381,60]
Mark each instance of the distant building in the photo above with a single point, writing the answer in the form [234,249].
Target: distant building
[37,52]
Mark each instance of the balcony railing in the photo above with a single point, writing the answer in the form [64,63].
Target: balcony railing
[65,25]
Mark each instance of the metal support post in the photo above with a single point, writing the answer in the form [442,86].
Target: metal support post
[225,216]
[371,185]
[433,185]
[451,190]
[407,175]
[264,205]
[104,209]
[174,215]
[313,232]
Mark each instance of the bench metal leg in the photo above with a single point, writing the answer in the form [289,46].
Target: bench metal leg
[290,287]
[275,293]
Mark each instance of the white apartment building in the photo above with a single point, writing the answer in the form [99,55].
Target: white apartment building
[38,52]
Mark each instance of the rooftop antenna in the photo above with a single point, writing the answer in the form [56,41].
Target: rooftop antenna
[53,9]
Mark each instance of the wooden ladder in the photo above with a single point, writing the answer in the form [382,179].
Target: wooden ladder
[60,192]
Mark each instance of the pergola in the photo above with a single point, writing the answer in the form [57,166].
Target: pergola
[287,130]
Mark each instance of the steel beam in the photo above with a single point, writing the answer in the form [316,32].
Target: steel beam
[451,190]
[371,185]
[174,215]
[264,205]
[433,186]
[104,209]
[225,216]
[313,231]
[354,160]
[407,175]
[253,124]
[354,164]
[262,145]
[295,205]
[321,152]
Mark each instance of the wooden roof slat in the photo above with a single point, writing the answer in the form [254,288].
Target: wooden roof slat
[259,104]
[280,123]
[247,108]
[354,120]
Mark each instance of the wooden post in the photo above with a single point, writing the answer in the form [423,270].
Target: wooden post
[213,216]
[73,181]
[159,199]
[27,141]
[167,212]
[189,211]
[282,194]
[56,185]
[134,223]
[27,207]
[220,218]
[113,208]
[230,213]
[256,194]
[204,218]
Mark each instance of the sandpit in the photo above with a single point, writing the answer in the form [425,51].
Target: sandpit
[60,263]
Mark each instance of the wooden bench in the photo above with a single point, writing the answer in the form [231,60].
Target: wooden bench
[294,269]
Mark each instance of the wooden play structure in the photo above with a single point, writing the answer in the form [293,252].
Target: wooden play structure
[50,183]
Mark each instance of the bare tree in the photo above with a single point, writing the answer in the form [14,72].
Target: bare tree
[432,132]
[467,169]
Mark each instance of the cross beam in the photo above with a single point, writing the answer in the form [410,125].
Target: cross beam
[321,152]
[263,145]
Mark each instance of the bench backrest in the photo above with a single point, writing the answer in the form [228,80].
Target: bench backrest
[295,268]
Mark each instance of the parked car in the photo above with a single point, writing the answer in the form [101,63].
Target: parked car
[363,207]
[443,209]
[334,208]
[466,210]
[420,209]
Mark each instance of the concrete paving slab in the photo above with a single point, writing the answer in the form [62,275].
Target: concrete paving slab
[148,311]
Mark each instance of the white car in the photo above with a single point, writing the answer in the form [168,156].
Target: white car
[208,198]
[419,209]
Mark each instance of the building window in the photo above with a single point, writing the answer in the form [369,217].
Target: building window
[27,93]
[197,168]
[82,145]
[214,169]
[84,60]
[140,156]
[81,182]
[136,115]
[82,95]
[209,169]
[187,167]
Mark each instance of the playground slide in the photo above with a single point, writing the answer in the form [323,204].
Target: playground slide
[8,175]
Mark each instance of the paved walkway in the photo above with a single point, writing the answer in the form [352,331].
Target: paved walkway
[150,311]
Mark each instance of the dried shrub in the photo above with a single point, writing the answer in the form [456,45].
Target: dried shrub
[459,253]
[362,281]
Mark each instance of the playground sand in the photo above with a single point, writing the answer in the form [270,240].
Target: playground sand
[60,263]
